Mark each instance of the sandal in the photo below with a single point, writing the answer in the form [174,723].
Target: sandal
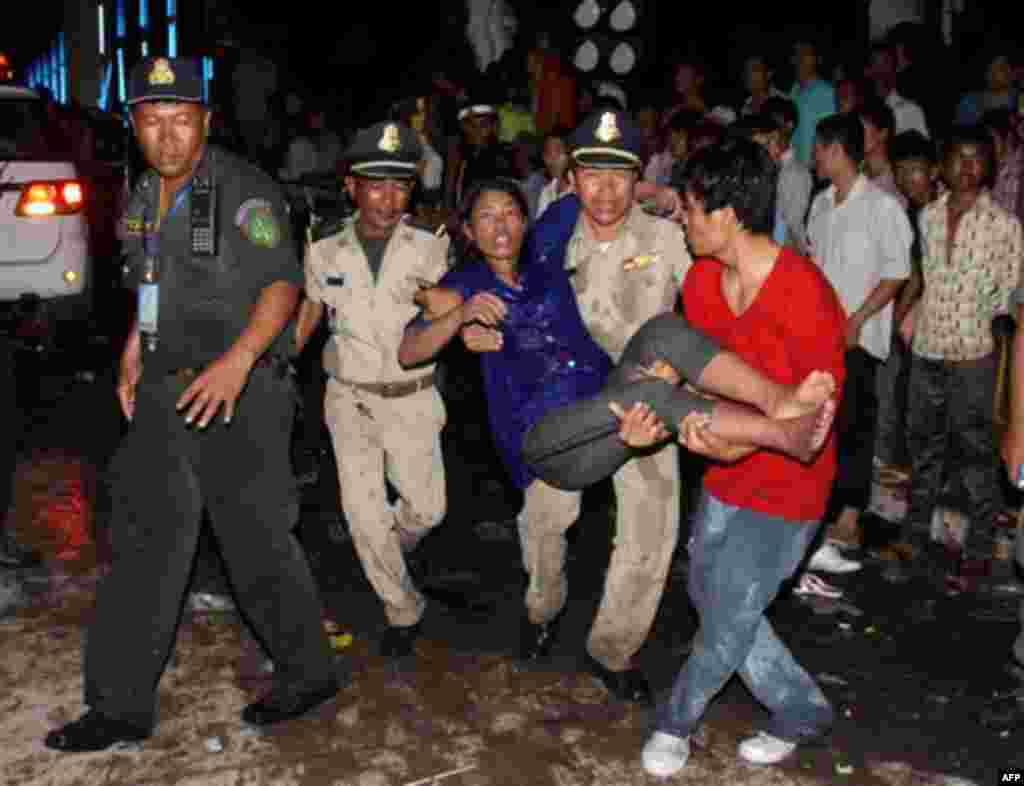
[810,584]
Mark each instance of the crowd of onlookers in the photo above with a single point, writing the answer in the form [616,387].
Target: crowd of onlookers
[935,178]
[940,222]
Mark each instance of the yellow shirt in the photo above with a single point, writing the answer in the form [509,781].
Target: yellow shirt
[621,284]
[367,318]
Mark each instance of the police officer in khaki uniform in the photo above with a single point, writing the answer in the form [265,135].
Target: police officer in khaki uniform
[204,384]
[385,421]
[626,267]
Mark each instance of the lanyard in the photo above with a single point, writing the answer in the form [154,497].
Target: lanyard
[179,200]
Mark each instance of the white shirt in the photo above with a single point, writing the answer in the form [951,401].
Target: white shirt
[793,195]
[858,244]
[433,167]
[907,114]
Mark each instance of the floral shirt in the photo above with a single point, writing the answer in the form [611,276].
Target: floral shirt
[1006,191]
[966,286]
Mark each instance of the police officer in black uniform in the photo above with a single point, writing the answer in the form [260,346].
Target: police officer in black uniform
[205,388]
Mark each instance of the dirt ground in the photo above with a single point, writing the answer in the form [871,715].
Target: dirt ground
[908,668]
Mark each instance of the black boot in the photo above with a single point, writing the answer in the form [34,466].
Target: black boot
[397,641]
[287,704]
[536,641]
[628,685]
[94,731]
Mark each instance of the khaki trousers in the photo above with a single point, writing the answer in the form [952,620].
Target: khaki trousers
[397,439]
[647,491]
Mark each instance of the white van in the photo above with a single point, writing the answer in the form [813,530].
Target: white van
[45,261]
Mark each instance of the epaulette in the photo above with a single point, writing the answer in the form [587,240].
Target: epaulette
[144,181]
[329,227]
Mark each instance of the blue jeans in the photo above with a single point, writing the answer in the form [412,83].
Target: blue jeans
[738,560]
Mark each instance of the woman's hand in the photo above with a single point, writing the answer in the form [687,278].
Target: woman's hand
[484,307]
[640,427]
[478,338]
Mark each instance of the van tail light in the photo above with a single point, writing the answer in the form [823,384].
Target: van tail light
[51,198]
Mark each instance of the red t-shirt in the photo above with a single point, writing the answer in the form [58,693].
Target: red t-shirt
[794,326]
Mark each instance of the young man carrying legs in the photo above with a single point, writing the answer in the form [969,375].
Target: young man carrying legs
[759,510]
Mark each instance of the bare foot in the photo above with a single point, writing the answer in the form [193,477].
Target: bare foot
[803,436]
[822,427]
[816,388]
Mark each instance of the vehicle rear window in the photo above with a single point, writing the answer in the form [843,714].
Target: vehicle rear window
[28,133]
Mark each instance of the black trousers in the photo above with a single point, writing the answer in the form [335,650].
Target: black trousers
[577,445]
[951,424]
[855,434]
[161,477]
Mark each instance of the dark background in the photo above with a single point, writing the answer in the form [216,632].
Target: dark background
[365,55]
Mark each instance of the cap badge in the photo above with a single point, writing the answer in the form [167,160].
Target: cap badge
[390,142]
[161,73]
[608,129]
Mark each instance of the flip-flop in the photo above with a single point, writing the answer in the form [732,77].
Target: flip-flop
[890,476]
[810,584]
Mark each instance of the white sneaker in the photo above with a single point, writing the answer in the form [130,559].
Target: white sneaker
[828,559]
[765,749]
[665,754]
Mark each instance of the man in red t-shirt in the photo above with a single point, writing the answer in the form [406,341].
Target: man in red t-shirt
[760,510]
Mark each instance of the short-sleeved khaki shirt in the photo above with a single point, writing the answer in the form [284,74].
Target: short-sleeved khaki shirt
[367,318]
[621,284]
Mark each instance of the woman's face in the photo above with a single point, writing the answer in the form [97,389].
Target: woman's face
[497,226]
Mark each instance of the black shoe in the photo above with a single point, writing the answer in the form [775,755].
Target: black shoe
[397,641]
[628,685]
[282,705]
[535,641]
[14,555]
[94,731]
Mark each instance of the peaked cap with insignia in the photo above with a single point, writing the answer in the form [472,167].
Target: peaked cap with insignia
[607,139]
[478,105]
[166,79]
[385,150]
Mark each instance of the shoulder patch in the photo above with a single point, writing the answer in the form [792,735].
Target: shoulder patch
[257,222]
[133,226]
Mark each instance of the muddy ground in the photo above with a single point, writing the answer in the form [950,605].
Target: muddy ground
[909,668]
